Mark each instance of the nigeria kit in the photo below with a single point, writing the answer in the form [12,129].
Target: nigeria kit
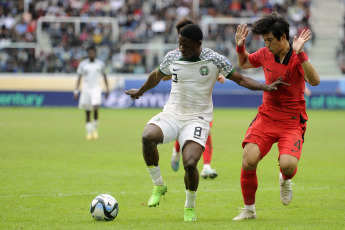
[91,93]
[189,110]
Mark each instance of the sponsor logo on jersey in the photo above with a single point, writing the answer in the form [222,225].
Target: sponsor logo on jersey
[204,70]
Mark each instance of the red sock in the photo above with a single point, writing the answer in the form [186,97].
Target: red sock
[249,185]
[177,146]
[207,155]
[287,177]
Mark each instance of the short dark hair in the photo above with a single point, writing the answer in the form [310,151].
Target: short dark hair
[183,23]
[193,32]
[91,47]
[274,23]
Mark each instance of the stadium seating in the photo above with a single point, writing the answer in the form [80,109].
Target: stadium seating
[139,22]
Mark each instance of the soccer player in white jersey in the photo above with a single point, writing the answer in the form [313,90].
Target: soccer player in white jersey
[189,110]
[92,69]
[207,171]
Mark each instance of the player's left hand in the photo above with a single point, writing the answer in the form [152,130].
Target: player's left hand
[299,42]
[274,86]
[241,34]
[134,93]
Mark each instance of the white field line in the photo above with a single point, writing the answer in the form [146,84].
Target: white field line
[171,191]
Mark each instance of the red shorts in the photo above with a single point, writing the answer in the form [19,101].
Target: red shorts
[264,132]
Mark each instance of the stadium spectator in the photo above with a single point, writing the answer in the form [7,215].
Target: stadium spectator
[139,22]
[282,116]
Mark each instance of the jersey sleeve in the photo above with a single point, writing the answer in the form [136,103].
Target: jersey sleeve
[224,66]
[300,70]
[228,69]
[168,59]
[256,58]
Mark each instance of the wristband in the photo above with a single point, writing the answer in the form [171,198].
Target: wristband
[76,91]
[302,57]
[240,49]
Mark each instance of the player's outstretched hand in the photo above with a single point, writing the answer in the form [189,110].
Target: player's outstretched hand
[241,34]
[134,93]
[274,85]
[299,42]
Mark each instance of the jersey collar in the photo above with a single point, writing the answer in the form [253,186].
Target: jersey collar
[287,57]
[193,59]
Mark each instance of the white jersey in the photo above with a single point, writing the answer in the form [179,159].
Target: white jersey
[92,73]
[193,81]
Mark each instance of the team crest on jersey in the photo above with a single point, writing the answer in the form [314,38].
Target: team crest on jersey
[204,70]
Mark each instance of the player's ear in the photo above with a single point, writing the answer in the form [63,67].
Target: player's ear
[199,43]
[283,36]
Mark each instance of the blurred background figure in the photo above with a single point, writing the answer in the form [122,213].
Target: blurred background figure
[92,70]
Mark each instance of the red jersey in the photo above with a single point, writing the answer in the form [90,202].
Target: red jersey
[288,101]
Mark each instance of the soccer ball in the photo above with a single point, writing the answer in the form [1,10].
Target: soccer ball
[104,207]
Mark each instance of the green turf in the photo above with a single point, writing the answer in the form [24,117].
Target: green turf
[50,173]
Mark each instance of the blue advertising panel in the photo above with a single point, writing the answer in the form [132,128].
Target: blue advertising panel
[224,95]
[36,99]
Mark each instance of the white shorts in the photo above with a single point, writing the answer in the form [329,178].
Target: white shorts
[90,98]
[173,128]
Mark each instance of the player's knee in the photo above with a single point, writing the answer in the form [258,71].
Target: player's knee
[152,136]
[288,164]
[148,139]
[288,169]
[251,156]
[190,165]
[249,163]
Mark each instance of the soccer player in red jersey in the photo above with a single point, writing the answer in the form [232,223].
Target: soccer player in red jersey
[282,116]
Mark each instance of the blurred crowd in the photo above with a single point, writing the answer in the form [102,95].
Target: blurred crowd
[139,22]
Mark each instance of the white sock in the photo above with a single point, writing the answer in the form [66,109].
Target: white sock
[207,167]
[155,174]
[190,199]
[89,127]
[175,155]
[95,124]
[250,207]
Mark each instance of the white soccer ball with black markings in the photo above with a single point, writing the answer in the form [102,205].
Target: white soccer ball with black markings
[104,207]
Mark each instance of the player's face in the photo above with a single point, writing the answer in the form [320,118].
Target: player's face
[273,44]
[92,54]
[189,48]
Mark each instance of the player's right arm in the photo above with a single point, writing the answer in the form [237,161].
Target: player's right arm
[154,78]
[80,74]
[241,53]
[76,90]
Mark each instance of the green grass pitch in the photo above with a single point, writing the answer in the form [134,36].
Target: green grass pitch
[50,173]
